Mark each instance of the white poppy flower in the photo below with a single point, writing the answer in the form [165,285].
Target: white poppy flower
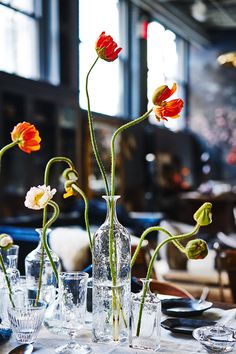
[5,241]
[38,197]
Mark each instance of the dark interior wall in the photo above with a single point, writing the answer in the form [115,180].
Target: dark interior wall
[212,100]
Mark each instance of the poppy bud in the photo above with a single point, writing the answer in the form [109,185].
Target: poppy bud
[203,215]
[5,241]
[196,249]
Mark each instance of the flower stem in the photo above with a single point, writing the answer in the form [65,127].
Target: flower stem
[46,180]
[5,148]
[92,135]
[145,233]
[145,289]
[45,247]
[86,218]
[55,215]
[111,203]
[7,280]
[113,140]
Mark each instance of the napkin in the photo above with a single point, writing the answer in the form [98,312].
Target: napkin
[5,334]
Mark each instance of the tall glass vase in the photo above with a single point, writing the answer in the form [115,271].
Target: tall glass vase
[111,292]
[32,271]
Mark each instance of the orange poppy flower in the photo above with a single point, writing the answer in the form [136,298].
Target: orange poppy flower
[106,48]
[168,109]
[26,136]
[162,108]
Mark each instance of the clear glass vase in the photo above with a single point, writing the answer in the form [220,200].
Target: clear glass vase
[145,334]
[111,297]
[32,271]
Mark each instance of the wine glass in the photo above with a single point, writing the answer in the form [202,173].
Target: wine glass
[73,294]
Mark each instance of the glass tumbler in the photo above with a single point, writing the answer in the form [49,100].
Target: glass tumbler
[26,319]
[73,295]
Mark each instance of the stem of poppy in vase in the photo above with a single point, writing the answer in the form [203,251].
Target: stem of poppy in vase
[148,275]
[78,190]
[116,301]
[2,265]
[55,215]
[46,179]
[92,135]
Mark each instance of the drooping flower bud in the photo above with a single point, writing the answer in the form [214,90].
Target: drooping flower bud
[71,177]
[5,241]
[203,215]
[196,249]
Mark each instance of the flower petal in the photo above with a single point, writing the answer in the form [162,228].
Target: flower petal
[106,48]
[26,136]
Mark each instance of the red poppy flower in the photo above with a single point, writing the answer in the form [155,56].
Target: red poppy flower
[26,136]
[106,48]
[162,108]
[168,109]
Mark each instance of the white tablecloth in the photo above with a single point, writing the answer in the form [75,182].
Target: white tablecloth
[170,343]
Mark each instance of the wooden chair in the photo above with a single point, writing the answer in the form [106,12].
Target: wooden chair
[228,259]
[140,267]
[166,288]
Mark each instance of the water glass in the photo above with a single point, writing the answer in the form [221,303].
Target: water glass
[26,320]
[73,295]
[89,307]
[10,257]
[4,298]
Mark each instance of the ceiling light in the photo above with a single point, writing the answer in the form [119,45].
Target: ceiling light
[227,59]
[199,11]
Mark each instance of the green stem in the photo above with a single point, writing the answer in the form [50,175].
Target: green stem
[46,180]
[55,215]
[111,204]
[52,161]
[86,218]
[145,289]
[145,233]
[45,247]
[7,280]
[5,148]
[92,135]
[111,231]
[117,132]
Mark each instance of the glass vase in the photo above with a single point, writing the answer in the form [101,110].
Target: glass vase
[32,271]
[111,292]
[145,333]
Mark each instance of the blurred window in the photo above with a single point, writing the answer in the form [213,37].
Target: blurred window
[166,53]
[105,81]
[22,46]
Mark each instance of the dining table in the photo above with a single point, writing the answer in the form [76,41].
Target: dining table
[171,343]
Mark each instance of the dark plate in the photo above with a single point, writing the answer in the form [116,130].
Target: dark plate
[184,325]
[184,307]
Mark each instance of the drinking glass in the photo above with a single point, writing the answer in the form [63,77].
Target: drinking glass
[26,319]
[11,258]
[73,293]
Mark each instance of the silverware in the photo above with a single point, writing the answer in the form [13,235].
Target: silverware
[22,349]
[204,295]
